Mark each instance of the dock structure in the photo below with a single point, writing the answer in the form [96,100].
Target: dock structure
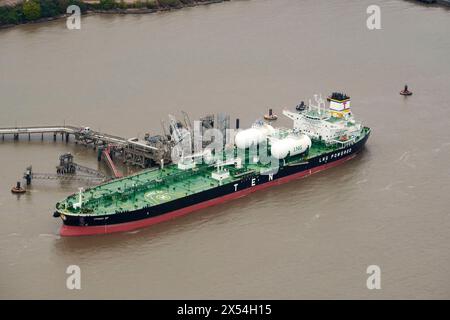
[68,166]
[107,156]
[132,151]
[96,177]
[148,152]
[16,132]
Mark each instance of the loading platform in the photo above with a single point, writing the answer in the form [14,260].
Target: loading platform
[107,156]
[67,170]
[132,151]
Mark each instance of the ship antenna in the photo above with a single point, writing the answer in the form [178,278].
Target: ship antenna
[321,103]
[80,194]
[80,199]
[318,104]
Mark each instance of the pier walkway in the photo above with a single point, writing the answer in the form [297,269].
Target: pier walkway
[80,133]
[133,151]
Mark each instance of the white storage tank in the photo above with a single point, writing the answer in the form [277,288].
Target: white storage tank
[291,145]
[255,135]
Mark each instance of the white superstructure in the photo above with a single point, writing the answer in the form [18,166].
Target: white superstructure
[315,122]
[334,124]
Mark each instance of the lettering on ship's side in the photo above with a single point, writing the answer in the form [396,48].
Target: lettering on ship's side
[335,155]
[253,182]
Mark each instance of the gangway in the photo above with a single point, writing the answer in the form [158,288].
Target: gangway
[107,156]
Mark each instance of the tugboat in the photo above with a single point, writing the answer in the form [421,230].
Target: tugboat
[18,189]
[405,92]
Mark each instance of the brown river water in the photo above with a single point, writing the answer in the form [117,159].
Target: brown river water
[312,238]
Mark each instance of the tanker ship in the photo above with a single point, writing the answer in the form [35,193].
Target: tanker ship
[324,134]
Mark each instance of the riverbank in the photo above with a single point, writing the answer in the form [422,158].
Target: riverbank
[438,2]
[443,2]
[37,11]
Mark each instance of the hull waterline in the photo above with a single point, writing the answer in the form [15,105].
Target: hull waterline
[68,230]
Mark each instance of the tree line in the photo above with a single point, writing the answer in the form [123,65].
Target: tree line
[32,10]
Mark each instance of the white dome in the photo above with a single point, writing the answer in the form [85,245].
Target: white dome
[246,138]
[291,145]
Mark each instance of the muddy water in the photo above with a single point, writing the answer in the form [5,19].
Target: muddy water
[307,239]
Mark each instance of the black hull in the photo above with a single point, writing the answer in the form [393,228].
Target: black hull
[247,182]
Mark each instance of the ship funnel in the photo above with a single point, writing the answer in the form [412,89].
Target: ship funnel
[339,105]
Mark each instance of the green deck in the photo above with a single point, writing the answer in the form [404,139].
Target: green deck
[153,187]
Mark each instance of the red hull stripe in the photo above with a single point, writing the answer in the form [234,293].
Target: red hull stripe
[129,226]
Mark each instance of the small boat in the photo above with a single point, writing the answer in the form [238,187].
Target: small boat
[18,188]
[405,92]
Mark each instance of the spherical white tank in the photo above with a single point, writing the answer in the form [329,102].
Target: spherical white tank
[246,138]
[291,145]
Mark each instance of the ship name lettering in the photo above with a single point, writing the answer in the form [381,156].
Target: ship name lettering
[270,177]
[253,182]
[340,153]
[324,159]
[235,186]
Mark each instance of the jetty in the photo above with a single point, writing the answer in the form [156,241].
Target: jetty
[134,151]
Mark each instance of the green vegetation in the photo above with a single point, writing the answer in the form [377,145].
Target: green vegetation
[107,4]
[32,10]
[139,4]
[151,4]
[11,15]
[170,3]
[122,4]
[49,8]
